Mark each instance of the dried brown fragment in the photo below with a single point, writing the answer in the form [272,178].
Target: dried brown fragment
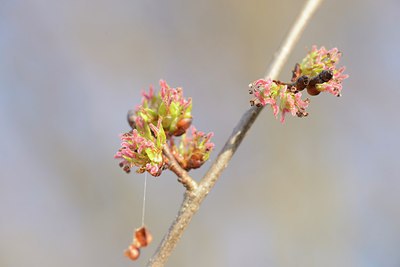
[143,237]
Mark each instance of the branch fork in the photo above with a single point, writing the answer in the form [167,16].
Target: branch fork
[196,193]
[183,177]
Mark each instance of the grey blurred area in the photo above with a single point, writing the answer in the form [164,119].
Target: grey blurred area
[317,191]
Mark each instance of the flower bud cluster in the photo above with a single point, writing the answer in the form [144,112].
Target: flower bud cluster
[170,105]
[279,97]
[142,147]
[194,150]
[317,73]
[322,61]
[160,117]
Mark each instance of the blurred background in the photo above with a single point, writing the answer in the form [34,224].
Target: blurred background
[319,191]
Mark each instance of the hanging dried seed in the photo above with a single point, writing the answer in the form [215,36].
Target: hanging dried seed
[143,237]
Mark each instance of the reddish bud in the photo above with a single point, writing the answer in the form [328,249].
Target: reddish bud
[325,75]
[182,126]
[311,90]
[196,160]
[302,82]
[131,117]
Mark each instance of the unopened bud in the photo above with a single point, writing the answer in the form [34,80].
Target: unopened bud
[302,82]
[131,118]
[182,126]
[326,75]
[312,90]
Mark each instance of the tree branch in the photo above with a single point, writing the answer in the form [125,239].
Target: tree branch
[183,177]
[193,199]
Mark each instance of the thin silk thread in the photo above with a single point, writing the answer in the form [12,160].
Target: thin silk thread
[144,197]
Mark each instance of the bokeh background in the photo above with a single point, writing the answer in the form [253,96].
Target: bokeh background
[319,191]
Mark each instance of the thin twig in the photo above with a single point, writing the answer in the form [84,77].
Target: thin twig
[192,202]
[183,177]
[297,29]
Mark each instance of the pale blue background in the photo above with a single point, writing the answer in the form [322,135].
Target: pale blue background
[320,191]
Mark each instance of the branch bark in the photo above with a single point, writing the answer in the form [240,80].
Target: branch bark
[183,177]
[193,198]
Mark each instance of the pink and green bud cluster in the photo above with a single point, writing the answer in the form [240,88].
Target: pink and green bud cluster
[170,105]
[316,73]
[194,150]
[143,148]
[279,97]
[160,118]
[319,60]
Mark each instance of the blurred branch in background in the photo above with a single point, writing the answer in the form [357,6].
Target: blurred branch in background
[194,198]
